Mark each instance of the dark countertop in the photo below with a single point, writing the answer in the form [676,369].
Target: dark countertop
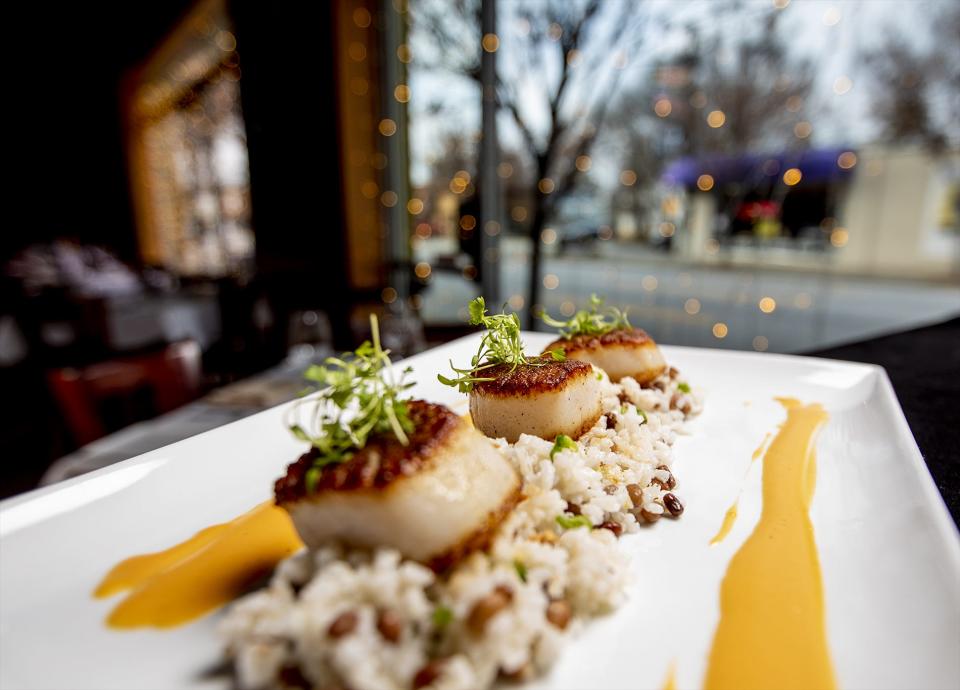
[924,367]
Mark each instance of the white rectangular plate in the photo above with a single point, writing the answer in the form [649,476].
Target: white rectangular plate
[889,552]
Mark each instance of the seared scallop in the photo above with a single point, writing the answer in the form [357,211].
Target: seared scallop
[434,499]
[544,398]
[621,352]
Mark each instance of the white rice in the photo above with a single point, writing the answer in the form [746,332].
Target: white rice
[286,625]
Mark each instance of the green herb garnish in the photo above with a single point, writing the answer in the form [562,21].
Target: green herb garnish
[642,414]
[597,320]
[361,397]
[521,569]
[573,521]
[501,344]
[562,443]
[442,616]
[683,386]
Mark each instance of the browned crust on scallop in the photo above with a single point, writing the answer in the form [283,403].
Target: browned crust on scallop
[381,462]
[481,537]
[543,375]
[623,337]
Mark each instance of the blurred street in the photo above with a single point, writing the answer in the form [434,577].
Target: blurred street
[679,303]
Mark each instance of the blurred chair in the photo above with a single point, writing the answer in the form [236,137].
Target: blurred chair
[98,398]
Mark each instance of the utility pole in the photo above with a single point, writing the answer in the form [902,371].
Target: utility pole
[491,224]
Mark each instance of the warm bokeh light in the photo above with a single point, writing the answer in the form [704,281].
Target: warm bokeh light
[492,228]
[226,41]
[404,54]
[387,127]
[516,302]
[546,185]
[839,237]
[716,118]
[424,230]
[760,343]
[767,305]
[802,129]
[415,206]
[551,281]
[842,85]
[468,222]
[792,176]
[847,160]
[628,178]
[388,295]
[457,186]
[720,330]
[692,306]
[574,57]
[667,229]
[663,107]
[357,51]
[402,93]
[422,270]
[518,214]
[568,308]
[649,283]
[389,198]
[548,236]
[369,189]
[583,163]
[705,183]
[794,103]
[780,4]
[490,42]
[362,17]
[504,170]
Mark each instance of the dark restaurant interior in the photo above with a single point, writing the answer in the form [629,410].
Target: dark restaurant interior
[211,195]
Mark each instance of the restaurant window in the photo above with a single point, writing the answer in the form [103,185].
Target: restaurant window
[188,155]
[758,175]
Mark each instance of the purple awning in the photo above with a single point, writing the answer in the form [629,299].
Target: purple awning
[816,165]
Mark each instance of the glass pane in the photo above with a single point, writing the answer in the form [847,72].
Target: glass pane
[757,175]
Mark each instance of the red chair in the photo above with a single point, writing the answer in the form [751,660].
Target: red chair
[166,379]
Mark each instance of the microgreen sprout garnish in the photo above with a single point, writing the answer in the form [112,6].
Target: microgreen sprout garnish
[442,616]
[573,521]
[562,443]
[642,414]
[521,569]
[360,397]
[501,344]
[683,386]
[597,320]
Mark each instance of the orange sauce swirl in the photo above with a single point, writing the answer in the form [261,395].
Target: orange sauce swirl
[182,583]
[772,629]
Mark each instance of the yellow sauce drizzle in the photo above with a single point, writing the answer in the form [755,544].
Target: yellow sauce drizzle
[730,516]
[728,519]
[772,630]
[670,682]
[759,451]
[213,567]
